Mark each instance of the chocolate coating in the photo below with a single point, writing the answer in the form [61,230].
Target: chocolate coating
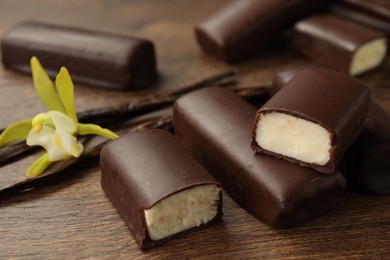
[333,100]
[215,125]
[331,40]
[241,28]
[140,169]
[281,78]
[366,164]
[362,17]
[378,8]
[94,58]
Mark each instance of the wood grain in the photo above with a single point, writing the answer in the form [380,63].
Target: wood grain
[69,216]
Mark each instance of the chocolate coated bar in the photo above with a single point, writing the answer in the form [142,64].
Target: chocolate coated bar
[339,43]
[378,8]
[362,17]
[281,78]
[313,119]
[215,125]
[366,164]
[157,187]
[94,58]
[243,27]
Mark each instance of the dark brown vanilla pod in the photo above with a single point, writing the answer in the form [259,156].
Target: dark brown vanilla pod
[362,17]
[159,190]
[313,119]
[243,27]
[93,58]
[215,125]
[339,44]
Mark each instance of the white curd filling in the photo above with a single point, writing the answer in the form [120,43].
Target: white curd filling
[293,137]
[368,56]
[182,211]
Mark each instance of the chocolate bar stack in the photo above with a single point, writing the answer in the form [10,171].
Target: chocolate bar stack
[284,163]
[320,31]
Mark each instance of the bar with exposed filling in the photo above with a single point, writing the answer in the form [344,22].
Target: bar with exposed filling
[215,125]
[93,58]
[366,163]
[313,119]
[338,43]
[159,190]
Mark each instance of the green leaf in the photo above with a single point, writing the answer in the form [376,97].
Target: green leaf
[15,131]
[87,129]
[65,90]
[39,166]
[45,87]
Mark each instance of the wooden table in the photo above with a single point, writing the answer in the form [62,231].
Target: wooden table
[70,217]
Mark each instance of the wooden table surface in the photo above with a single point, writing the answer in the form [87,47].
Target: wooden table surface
[70,217]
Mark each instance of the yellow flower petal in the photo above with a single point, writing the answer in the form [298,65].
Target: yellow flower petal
[66,93]
[42,118]
[58,144]
[69,143]
[39,166]
[62,121]
[15,131]
[87,129]
[45,87]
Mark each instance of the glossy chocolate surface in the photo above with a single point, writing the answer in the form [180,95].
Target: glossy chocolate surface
[362,17]
[140,169]
[94,58]
[378,8]
[330,40]
[366,164]
[243,27]
[215,125]
[333,100]
[281,78]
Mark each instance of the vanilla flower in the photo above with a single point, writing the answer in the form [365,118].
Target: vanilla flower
[57,130]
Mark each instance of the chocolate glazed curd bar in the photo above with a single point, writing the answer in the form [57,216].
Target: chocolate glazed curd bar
[366,163]
[93,58]
[338,43]
[362,17]
[313,119]
[215,125]
[157,187]
[241,28]
[378,8]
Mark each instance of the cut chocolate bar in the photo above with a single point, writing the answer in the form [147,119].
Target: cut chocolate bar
[215,125]
[313,119]
[366,163]
[94,58]
[243,27]
[339,43]
[157,187]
